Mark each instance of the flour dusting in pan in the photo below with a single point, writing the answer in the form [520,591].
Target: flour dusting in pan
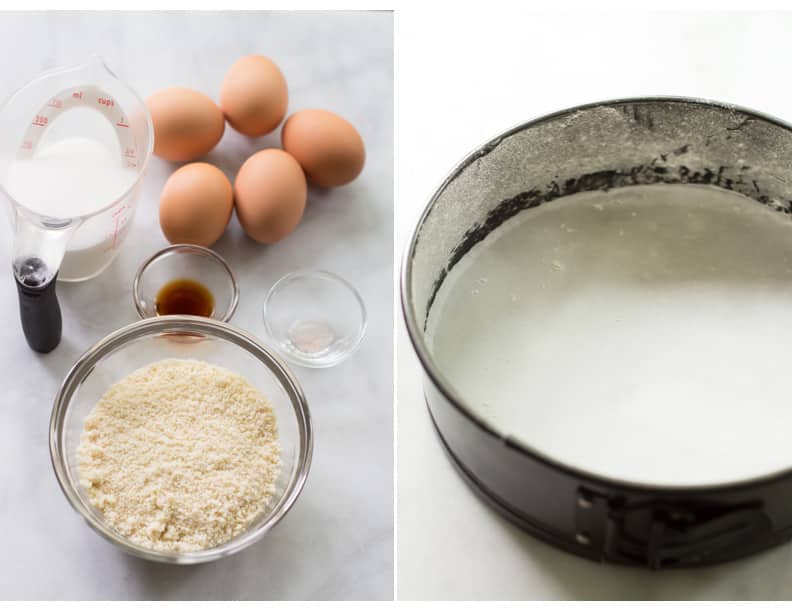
[642,333]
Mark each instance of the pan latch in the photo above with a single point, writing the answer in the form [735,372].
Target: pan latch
[665,532]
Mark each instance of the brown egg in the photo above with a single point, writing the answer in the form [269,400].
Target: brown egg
[196,204]
[254,95]
[270,193]
[187,124]
[329,148]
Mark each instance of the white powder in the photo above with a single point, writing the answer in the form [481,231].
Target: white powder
[311,336]
[651,345]
[180,455]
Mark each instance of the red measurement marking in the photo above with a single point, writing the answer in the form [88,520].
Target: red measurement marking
[122,124]
[77,95]
[130,164]
[115,232]
[128,152]
[118,227]
[27,145]
[55,103]
[105,102]
[40,120]
[119,210]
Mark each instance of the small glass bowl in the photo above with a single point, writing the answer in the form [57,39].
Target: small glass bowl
[220,344]
[186,261]
[315,318]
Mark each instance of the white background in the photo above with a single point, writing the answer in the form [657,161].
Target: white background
[337,541]
[463,77]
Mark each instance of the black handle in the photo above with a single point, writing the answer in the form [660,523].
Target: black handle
[39,310]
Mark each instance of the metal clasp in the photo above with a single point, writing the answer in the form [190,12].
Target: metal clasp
[663,532]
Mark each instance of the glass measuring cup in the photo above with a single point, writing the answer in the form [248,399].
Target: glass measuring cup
[75,146]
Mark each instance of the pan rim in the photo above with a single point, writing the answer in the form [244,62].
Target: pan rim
[444,386]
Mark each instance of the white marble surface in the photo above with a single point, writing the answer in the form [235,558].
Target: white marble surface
[450,545]
[337,542]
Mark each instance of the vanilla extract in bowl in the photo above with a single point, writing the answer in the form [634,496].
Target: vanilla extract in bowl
[185,296]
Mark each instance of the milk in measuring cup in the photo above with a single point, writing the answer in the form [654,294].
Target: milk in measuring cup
[76,177]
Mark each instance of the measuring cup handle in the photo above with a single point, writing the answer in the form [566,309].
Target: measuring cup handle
[41,315]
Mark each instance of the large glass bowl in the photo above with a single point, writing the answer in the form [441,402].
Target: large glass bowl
[181,337]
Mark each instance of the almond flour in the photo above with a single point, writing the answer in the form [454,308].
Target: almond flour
[180,455]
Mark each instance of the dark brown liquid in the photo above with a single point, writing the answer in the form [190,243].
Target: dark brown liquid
[185,296]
